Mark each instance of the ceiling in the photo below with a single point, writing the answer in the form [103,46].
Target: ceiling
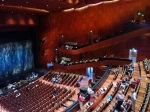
[42,6]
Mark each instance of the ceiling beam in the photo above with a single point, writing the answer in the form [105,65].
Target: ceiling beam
[18,9]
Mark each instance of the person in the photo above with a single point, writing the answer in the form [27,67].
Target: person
[59,80]
[90,91]
[123,83]
[133,98]
[53,80]
[63,62]
[54,92]
[127,103]
[110,97]
[81,99]
[100,92]
[92,99]
[135,82]
[119,98]
[18,94]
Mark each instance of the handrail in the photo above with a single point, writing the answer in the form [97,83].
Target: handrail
[101,62]
[107,42]
[100,82]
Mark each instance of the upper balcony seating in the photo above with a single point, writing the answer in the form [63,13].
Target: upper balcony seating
[95,60]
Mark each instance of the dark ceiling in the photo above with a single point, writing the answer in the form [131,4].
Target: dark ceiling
[44,6]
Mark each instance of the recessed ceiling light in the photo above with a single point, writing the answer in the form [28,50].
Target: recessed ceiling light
[47,5]
[20,6]
[59,7]
[23,13]
[2,4]
[26,2]
[2,0]
[12,12]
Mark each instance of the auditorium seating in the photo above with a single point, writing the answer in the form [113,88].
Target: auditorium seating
[95,60]
[68,79]
[90,108]
[36,97]
[146,99]
[146,65]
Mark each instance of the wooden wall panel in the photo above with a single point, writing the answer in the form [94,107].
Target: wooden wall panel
[75,25]
[122,49]
[15,19]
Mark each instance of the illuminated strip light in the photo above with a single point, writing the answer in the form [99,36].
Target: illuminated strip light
[68,10]
[95,4]
[81,8]
[90,5]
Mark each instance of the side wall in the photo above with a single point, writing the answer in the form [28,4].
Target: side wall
[76,24]
[142,45]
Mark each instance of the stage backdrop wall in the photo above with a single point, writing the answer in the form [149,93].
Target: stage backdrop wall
[16,52]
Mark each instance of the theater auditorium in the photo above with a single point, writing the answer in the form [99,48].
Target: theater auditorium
[74,56]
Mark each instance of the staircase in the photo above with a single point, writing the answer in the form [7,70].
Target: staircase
[142,89]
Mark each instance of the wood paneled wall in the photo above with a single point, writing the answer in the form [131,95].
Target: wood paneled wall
[142,45]
[75,25]
[16,19]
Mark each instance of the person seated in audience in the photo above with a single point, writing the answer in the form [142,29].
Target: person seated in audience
[92,99]
[135,82]
[54,92]
[96,60]
[10,86]
[148,75]
[63,62]
[104,88]
[59,80]
[81,99]
[127,103]
[105,56]
[18,94]
[53,80]
[100,92]
[124,83]
[1,92]
[90,91]
[111,56]
[132,80]
[69,47]
[110,97]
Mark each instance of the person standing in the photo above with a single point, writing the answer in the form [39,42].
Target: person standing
[133,98]
[120,98]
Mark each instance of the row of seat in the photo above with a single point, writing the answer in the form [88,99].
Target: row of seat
[146,99]
[137,87]
[146,65]
[104,105]
[35,97]
[125,92]
[67,78]
[94,105]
